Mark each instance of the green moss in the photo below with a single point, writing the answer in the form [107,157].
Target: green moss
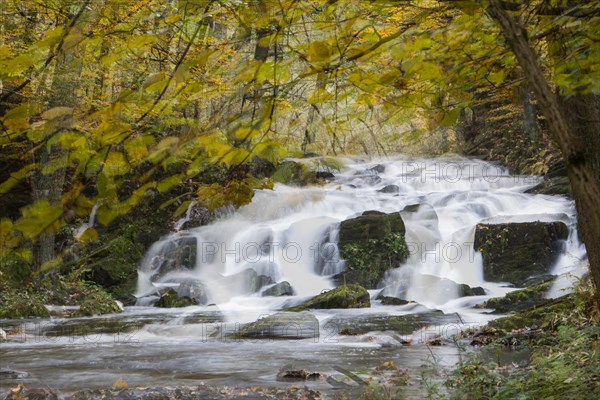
[367,261]
[564,362]
[520,299]
[514,252]
[545,315]
[345,296]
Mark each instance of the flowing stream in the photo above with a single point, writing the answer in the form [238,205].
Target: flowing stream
[290,234]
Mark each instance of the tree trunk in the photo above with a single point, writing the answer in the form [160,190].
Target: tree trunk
[571,127]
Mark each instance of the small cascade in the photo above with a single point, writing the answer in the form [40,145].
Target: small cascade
[90,224]
[289,234]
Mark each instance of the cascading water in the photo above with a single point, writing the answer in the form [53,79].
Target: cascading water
[290,234]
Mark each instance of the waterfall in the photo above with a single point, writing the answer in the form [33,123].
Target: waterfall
[290,233]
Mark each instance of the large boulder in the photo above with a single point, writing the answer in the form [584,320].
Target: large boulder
[177,253]
[371,244]
[171,299]
[345,296]
[279,289]
[515,252]
[191,288]
[282,325]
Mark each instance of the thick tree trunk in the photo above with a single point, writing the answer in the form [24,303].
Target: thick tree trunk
[571,127]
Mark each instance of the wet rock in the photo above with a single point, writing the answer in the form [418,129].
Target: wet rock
[299,174]
[392,301]
[378,168]
[520,299]
[411,208]
[466,290]
[248,281]
[127,300]
[198,215]
[445,288]
[6,374]
[279,289]
[287,375]
[389,189]
[401,324]
[171,299]
[176,254]
[191,288]
[371,244]
[345,296]
[3,335]
[197,392]
[325,175]
[558,185]
[282,325]
[515,252]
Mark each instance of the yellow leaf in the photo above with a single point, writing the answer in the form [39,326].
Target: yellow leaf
[57,112]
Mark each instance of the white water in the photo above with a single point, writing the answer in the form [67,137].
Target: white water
[290,233]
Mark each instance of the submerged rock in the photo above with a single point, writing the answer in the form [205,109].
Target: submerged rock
[282,325]
[194,393]
[279,289]
[392,301]
[515,252]
[287,375]
[6,374]
[444,287]
[345,296]
[389,189]
[401,324]
[371,244]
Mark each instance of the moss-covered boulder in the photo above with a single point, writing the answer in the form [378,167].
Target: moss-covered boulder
[515,252]
[519,299]
[171,299]
[282,325]
[345,296]
[371,244]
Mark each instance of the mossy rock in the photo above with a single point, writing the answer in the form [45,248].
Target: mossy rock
[392,301]
[170,299]
[557,185]
[279,289]
[371,244]
[515,252]
[345,296]
[282,325]
[520,299]
[295,174]
[545,315]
